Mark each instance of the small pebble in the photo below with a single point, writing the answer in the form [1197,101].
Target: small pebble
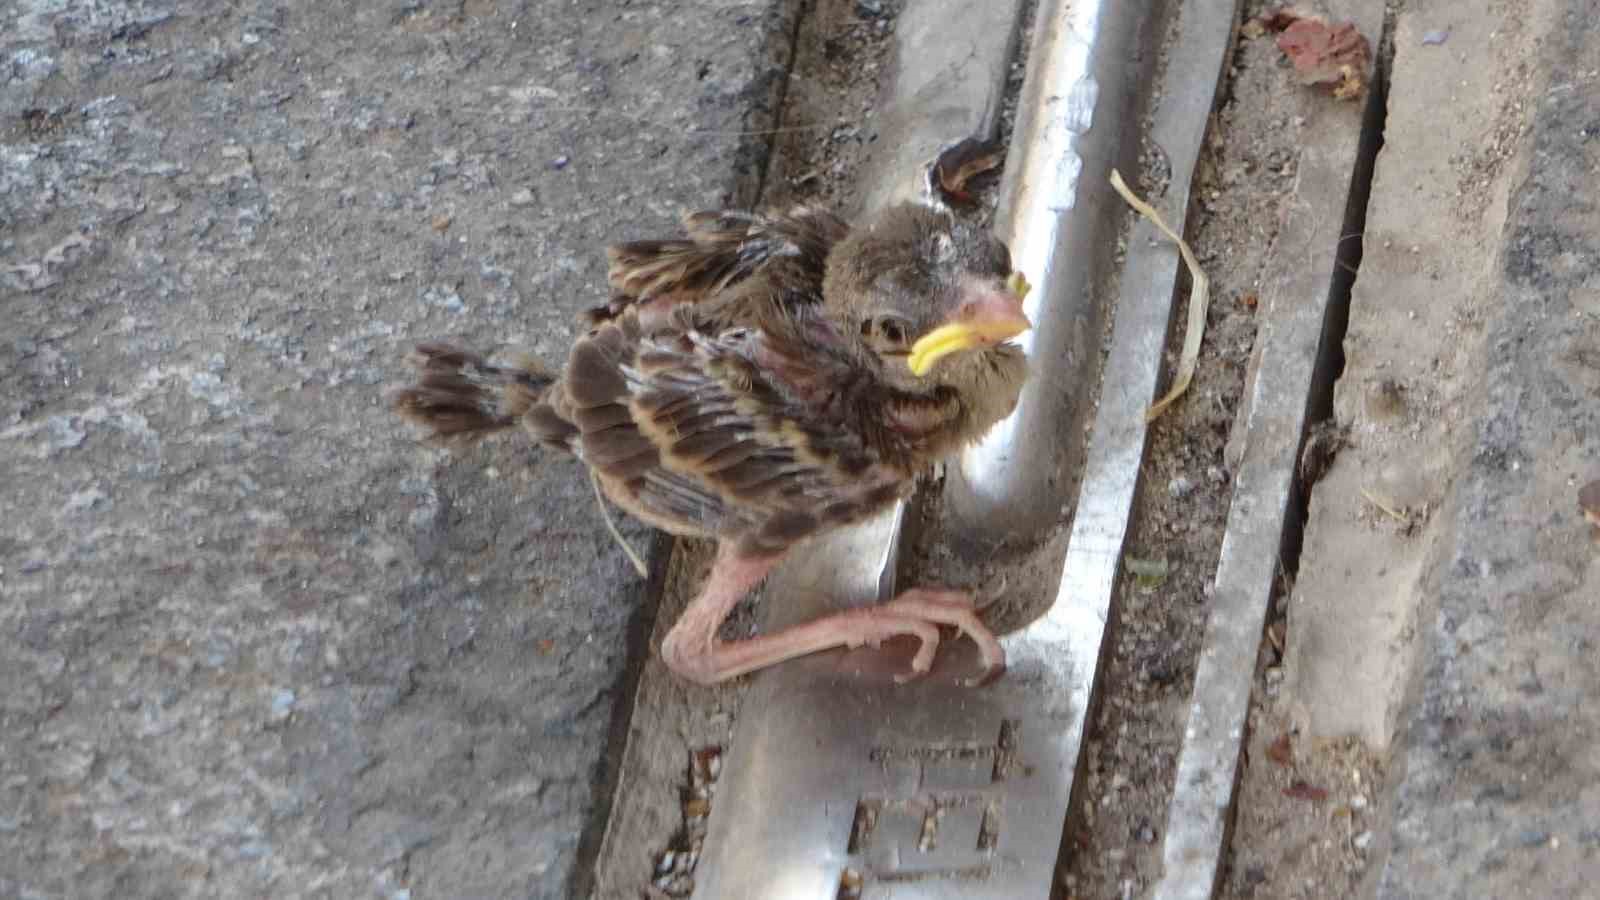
[1358,802]
[560,162]
[1385,400]
[1180,487]
[1362,841]
[1533,837]
[282,704]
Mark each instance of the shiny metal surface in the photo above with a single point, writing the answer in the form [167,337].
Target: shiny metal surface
[840,783]
[923,790]
[1133,364]
[1076,116]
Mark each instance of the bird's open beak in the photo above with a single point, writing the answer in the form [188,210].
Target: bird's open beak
[986,320]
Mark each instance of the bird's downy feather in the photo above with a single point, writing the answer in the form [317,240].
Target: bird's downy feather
[721,249]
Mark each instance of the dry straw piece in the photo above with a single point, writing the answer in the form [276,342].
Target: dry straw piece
[1199,301]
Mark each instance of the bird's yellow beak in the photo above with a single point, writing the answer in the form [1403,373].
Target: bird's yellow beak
[984,322]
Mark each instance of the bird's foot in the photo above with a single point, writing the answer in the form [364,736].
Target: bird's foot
[693,650]
[955,609]
[873,626]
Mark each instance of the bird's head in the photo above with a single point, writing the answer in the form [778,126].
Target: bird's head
[936,300]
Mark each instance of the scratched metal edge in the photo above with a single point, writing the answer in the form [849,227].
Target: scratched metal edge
[1295,303]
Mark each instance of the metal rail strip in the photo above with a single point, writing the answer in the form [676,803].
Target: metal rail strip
[840,783]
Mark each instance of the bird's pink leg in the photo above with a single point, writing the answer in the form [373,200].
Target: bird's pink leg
[692,649]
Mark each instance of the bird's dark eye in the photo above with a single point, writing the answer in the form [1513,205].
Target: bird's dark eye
[891,328]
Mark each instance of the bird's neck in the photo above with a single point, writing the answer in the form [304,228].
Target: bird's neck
[912,429]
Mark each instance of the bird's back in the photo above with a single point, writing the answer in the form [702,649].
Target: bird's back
[730,421]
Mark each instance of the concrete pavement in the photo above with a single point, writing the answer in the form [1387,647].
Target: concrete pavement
[1499,792]
[255,640]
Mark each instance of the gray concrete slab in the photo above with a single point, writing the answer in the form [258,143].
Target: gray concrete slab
[256,641]
[1412,361]
[1500,791]
[1298,291]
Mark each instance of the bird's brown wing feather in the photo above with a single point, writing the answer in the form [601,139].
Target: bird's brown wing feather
[723,434]
[722,249]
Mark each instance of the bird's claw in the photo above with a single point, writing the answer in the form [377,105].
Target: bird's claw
[954,610]
[988,676]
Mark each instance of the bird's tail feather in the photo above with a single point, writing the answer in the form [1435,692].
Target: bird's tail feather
[459,397]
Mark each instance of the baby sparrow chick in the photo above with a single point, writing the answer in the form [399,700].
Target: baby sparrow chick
[764,380]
